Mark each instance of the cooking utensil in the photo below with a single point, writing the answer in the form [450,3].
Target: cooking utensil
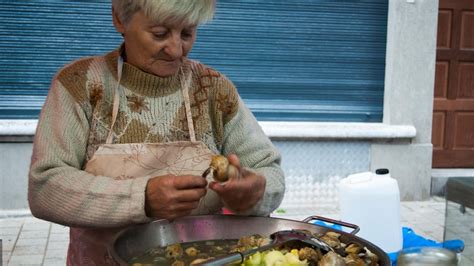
[206,172]
[279,239]
[136,240]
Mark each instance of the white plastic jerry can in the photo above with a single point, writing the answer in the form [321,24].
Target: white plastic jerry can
[372,201]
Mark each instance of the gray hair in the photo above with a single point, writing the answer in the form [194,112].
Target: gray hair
[162,12]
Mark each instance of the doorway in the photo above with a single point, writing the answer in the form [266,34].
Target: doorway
[453,114]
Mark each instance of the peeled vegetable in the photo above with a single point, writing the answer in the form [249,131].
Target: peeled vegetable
[292,259]
[254,260]
[275,258]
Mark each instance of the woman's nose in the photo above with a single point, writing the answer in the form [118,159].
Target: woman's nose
[174,46]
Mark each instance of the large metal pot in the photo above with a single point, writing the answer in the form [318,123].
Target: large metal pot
[136,240]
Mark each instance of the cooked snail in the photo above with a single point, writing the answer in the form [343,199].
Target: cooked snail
[221,168]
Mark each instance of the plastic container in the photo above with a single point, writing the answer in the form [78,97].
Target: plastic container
[372,201]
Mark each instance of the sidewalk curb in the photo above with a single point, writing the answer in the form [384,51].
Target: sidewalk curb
[5,214]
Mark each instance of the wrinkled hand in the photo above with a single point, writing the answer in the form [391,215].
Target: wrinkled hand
[243,190]
[170,197]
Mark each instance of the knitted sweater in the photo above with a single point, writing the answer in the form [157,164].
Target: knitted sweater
[76,119]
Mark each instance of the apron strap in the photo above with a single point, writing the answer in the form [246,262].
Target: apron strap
[116,101]
[185,83]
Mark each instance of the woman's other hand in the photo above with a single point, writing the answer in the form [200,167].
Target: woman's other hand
[243,190]
[170,197]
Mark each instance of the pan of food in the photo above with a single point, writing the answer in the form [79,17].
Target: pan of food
[212,239]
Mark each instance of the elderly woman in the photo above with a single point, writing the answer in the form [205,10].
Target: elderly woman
[124,138]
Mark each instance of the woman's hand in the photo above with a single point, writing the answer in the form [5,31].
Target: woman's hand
[243,189]
[170,197]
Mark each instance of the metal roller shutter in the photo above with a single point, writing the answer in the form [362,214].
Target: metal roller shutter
[296,60]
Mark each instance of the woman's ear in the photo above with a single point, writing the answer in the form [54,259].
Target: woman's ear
[119,26]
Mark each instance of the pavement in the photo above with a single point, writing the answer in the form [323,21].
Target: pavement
[30,241]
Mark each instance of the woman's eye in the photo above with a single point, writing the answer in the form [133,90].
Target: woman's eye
[160,35]
[187,34]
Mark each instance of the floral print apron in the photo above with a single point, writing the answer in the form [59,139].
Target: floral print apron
[88,246]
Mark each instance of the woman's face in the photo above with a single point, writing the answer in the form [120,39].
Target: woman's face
[156,49]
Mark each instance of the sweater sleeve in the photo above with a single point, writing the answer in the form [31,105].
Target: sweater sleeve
[58,190]
[244,137]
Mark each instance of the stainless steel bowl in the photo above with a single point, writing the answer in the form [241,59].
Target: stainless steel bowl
[427,256]
[136,240]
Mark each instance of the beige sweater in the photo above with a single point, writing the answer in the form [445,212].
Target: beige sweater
[76,118]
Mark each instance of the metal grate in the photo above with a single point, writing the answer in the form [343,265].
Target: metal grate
[313,170]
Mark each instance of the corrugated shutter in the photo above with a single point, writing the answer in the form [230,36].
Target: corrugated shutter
[290,60]
[38,37]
